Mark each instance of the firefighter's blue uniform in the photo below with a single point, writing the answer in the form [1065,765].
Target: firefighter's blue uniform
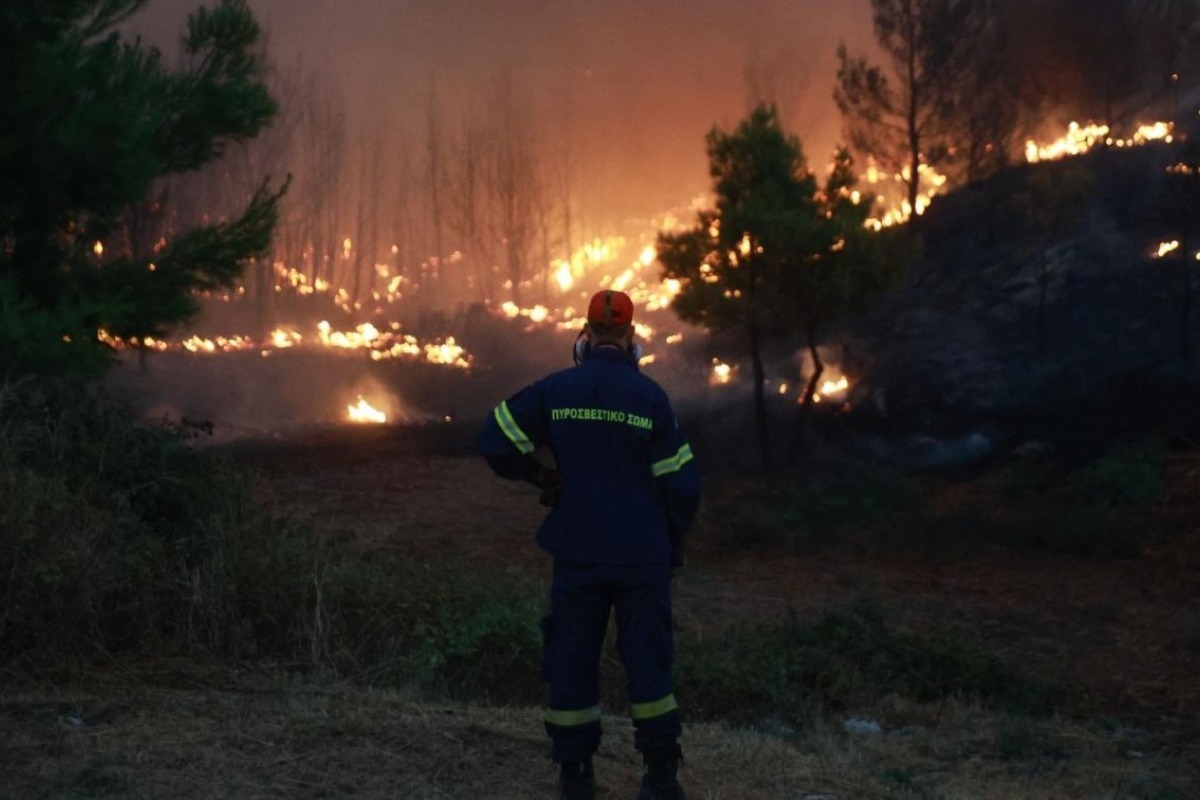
[629,492]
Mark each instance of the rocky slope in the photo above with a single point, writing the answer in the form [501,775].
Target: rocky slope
[1074,243]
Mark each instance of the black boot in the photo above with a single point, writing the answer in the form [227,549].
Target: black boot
[577,780]
[660,782]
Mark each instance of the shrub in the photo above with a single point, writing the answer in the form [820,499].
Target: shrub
[844,659]
[1129,474]
[823,497]
[117,538]
[120,538]
[434,628]
[111,534]
[1098,509]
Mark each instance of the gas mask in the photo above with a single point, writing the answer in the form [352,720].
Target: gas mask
[582,347]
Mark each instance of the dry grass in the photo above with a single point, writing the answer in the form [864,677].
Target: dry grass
[1121,632]
[172,734]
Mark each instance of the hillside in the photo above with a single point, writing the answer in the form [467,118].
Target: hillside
[1040,301]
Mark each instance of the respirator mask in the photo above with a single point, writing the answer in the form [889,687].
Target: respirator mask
[582,347]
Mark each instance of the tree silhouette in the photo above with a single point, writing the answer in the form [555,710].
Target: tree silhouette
[903,115]
[89,120]
[777,255]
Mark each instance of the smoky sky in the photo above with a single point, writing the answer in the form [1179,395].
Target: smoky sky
[633,84]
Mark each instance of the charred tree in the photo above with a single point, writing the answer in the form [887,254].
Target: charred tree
[902,116]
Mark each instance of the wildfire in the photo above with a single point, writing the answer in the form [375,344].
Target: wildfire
[593,261]
[379,345]
[931,183]
[282,339]
[831,388]
[722,373]
[563,276]
[364,413]
[1165,249]
[1079,139]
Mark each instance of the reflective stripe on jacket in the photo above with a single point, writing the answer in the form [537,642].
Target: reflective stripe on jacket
[630,488]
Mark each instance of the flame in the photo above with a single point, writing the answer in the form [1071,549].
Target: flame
[379,345]
[1164,249]
[833,387]
[722,373]
[1154,132]
[613,262]
[598,251]
[363,412]
[830,388]
[563,276]
[282,339]
[447,353]
[930,184]
[1079,139]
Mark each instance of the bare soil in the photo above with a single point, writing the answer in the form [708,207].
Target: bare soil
[1124,633]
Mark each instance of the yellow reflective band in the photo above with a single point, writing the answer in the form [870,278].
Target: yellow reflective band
[512,430]
[672,464]
[652,710]
[569,719]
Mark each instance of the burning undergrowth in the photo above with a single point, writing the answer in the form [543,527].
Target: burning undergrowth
[334,381]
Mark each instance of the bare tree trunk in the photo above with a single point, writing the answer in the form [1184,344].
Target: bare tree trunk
[371,242]
[914,133]
[804,415]
[360,230]
[435,172]
[760,400]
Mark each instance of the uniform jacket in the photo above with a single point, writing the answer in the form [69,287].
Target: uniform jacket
[630,488]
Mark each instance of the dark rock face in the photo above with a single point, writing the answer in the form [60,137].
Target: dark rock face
[961,342]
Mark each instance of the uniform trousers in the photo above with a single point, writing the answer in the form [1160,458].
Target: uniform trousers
[582,596]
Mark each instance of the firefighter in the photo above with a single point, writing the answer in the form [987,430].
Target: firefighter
[623,492]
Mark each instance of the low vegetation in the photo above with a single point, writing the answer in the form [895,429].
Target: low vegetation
[129,552]
[120,539]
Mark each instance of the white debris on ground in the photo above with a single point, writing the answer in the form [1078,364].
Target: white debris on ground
[862,727]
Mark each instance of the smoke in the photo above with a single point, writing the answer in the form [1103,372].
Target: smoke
[635,85]
[244,395]
[619,96]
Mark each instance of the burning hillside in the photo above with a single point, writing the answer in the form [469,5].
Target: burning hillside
[373,329]
[1068,308]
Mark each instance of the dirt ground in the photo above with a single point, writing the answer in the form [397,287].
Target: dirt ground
[1124,633]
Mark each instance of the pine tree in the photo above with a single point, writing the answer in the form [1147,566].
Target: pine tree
[89,120]
[777,256]
[904,114]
